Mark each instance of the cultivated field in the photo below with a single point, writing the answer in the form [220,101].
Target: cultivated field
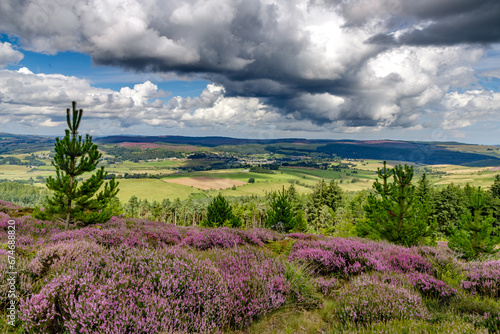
[206,183]
[180,184]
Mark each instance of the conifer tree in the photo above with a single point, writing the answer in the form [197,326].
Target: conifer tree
[219,213]
[475,237]
[495,187]
[329,194]
[280,215]
[79,200]
[395,214]
[424,190]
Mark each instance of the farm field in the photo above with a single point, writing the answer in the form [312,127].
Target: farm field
[206,182]
[182,184]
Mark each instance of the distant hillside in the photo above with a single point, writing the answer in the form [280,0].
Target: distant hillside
[199,141]
[17,144]
[423,153]
[430,153]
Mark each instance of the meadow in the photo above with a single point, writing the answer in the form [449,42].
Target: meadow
[359,176]
[140,276]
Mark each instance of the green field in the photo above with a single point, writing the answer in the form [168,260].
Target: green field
[360,175]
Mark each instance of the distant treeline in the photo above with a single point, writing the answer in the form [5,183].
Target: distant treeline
[136,154]
[417,153]
[22,194]
[30,160]
[327,210]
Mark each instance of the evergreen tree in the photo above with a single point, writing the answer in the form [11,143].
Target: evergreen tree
[74,157]
[219,213]
[424,191]
[280,215]
[449,205]
[475,237]
[395,214]
[132,207]
[324,194]
[495,187]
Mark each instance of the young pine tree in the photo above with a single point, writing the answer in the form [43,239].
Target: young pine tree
[75,200]
[495,187]
[475,237]
[329,194]
[280,215]
[395,214]
[219,213]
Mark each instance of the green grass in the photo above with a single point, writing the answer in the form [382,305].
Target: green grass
[153,190]
[363,170]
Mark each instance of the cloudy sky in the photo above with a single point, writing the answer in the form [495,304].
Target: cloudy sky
[362,69]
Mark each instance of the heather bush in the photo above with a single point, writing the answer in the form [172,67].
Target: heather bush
[348,257]
[210,238]
[368,299]
[258,236]
[430,287]
[8,206]
[61,255]
[403,260]
[482,278]
[149,291]
[326,286]
[343,257]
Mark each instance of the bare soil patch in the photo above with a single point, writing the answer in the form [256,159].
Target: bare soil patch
[206,183]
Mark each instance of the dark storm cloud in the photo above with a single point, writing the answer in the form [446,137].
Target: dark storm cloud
[451,22]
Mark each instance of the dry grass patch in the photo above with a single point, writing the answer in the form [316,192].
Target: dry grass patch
[206,183]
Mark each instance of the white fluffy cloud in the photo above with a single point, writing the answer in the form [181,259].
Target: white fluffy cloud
[8,55]
[464,109]
[46,97]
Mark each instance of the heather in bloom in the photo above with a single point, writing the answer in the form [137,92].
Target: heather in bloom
[148,291]
[348,257]
[367,299]
[206,239]
[326,286]
[482,278]
[140,276]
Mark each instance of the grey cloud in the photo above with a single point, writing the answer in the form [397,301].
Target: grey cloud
[298,59]
[447,22]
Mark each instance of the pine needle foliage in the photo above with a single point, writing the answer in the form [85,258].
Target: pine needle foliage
[78,200]
[394,212]
[280,215]
[220,213]
[476,236]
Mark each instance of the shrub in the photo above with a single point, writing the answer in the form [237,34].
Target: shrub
[149,291]
[209,238]
[368,299]
[482,278]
